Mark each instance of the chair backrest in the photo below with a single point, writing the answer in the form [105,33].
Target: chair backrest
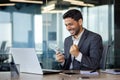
[3,45]
[104,56]
[3,52]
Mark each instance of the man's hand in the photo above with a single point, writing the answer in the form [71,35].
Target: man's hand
[60,57]
[74,50]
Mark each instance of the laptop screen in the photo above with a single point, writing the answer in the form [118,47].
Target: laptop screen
[27,59]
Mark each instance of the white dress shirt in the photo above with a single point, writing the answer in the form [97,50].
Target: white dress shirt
[76,41]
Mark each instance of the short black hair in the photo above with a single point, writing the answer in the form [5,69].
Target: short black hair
[74,14]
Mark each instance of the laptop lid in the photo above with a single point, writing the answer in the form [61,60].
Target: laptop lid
[27,59]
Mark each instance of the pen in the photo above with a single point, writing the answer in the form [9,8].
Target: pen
[92,71]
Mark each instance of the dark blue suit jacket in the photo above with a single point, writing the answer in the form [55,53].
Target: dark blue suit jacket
[91,48]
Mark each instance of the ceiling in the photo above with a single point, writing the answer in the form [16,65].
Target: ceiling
[42,2]
[59,4]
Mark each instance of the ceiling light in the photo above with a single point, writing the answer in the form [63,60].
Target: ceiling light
[78,3]
[49,7]
[7,4]
[91,5]
[28,1]
[75,2]
[54,11]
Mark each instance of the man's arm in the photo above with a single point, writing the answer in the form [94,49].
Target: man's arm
[95,52]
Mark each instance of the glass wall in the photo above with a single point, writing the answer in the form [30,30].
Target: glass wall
[23,25]
[38,32]
[5,28]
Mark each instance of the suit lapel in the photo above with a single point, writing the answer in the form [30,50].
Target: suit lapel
[70,44]
[71,41]
[83,37]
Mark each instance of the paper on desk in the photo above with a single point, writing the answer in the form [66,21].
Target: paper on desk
[88,73]
[111,71]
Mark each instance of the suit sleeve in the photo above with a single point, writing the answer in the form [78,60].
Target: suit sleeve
[95,52]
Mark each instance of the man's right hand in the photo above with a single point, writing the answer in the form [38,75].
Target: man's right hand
[60,57]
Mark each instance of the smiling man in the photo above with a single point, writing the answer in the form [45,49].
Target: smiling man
[83,48]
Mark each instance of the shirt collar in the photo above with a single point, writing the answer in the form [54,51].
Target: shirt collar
[79,36]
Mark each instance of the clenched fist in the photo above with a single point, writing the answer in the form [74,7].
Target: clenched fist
[74,50]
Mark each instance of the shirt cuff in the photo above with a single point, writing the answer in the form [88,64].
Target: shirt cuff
[79,57]
[62,63]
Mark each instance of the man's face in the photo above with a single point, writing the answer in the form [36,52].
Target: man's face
[73,26]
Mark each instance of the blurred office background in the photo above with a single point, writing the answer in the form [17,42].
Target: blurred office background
[38,24]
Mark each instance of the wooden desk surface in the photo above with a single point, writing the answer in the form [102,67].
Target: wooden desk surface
[101,76]
[59,76]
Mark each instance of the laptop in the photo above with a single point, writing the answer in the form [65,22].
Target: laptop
[28,61]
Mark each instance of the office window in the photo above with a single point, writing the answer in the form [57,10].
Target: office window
[38,32]
[6,33]
[98,21]
[23,31]
[5,28]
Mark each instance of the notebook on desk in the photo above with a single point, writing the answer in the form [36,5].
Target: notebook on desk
[28,61]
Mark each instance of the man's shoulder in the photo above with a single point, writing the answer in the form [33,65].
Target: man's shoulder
[91,33]
[68,38]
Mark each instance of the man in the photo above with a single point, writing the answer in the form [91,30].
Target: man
[83,49]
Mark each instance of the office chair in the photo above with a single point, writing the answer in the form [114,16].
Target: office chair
[3,45]
[3,55]
[4,66]
[104,56]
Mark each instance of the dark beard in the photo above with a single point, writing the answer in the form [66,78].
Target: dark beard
[77,31]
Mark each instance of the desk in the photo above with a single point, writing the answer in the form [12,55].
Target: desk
[78,76]
[25,76]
